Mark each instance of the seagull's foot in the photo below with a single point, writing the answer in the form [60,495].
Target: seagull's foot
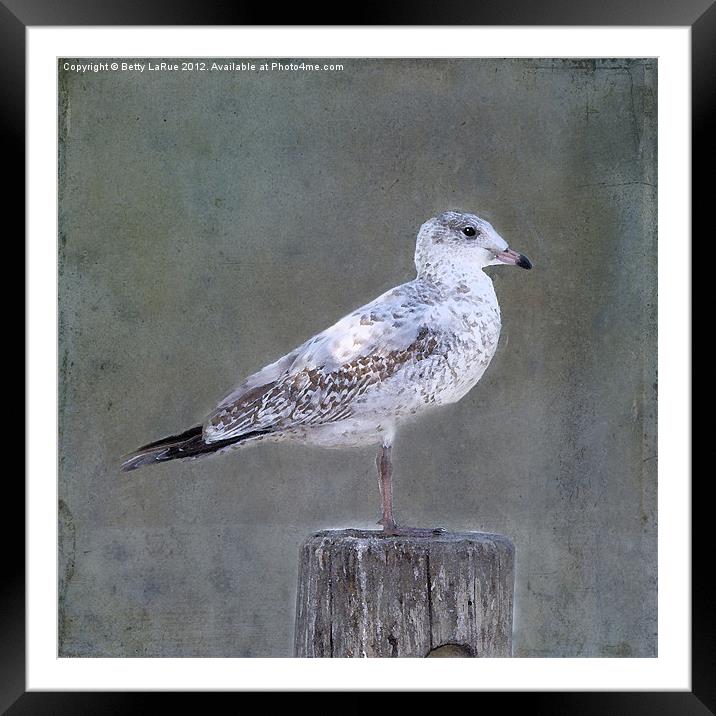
[390,529]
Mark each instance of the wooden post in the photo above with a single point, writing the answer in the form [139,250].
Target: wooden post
[363,594]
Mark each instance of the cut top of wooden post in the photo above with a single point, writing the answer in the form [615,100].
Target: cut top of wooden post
[361,593]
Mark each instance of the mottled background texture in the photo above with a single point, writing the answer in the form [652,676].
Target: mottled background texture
[209,222]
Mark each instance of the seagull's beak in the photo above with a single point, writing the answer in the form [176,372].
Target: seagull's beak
[513,258]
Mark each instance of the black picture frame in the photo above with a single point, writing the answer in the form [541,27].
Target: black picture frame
[700,15]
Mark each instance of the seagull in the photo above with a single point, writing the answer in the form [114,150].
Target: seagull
[420,345]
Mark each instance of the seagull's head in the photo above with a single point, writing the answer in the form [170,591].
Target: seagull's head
[458,240]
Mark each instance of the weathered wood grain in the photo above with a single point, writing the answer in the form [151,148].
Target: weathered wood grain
[361,594]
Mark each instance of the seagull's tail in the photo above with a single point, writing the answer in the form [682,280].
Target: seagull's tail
[189,444]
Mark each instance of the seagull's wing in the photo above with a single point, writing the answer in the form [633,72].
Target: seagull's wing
[319,381]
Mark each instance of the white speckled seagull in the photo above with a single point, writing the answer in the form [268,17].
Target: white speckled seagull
[419,345]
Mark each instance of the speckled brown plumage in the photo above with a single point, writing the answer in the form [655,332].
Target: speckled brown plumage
[313,396]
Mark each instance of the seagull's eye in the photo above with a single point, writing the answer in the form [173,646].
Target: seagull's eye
[469,231]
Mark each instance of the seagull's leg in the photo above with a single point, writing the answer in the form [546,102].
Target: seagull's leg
[384,463]
[385,483]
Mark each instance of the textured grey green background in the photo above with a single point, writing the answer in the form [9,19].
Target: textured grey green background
[211,221]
